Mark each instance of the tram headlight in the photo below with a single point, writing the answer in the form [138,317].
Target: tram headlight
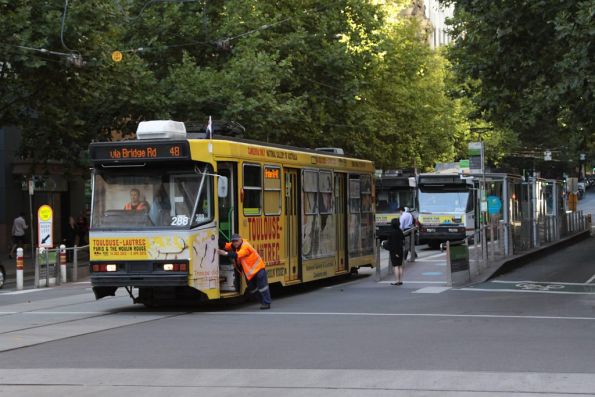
[168,267]
[111,268]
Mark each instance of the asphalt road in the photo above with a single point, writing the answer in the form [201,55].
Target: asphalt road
[531,331]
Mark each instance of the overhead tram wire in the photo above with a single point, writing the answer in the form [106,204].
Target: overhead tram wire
[220,42]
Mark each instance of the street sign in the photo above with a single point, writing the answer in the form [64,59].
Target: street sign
[117,56]
[583,157]
[475,151]
[45,220]
[464,164]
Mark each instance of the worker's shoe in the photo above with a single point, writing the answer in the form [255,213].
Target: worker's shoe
[265,307]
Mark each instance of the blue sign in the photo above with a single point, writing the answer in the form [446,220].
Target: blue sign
[494,205]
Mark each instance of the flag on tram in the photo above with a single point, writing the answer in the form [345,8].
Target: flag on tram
[210,129]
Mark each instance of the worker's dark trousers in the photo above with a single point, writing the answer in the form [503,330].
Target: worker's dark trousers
[260,284]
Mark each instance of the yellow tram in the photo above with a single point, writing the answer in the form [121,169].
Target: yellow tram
[163,203]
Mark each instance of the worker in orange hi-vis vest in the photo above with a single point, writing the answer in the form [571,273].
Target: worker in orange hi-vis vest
[135,203]
[252,265]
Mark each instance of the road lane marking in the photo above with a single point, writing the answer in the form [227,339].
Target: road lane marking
[74,313]
[414,282]
[431,290]
[527,291]
[433,256]
[589,281]
[26,291]
[368,314]
[535,282]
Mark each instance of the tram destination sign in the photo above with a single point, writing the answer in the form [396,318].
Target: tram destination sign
[139,151]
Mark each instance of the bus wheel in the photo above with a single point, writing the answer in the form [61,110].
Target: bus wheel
[2,276]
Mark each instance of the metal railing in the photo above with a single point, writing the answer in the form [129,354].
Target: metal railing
[52,269]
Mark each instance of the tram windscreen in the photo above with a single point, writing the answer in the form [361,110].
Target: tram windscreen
[390,200]
[443,202]
[124,199]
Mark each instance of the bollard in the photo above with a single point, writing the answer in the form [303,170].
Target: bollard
[378,264]
[36,279]
[62,263]
[75,265]
[19,268]
[411,245]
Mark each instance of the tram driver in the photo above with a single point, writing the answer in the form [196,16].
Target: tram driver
[135,203]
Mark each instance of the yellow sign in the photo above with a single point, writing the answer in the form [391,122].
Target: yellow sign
[386,218]
[139,248]
[45,213]
[117,56]
[435,219]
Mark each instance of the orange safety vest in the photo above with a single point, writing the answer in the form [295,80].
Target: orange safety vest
[139,207]
[251,262]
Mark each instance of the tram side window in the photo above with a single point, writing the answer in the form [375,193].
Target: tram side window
[310,178]
[252,190]
[325,187]
[272,190]
[366,193]
[354,196]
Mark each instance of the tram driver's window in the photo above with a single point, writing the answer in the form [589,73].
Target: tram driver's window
[252,190]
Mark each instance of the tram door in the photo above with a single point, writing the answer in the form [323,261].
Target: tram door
[341,213]
[292,233]
[228,225]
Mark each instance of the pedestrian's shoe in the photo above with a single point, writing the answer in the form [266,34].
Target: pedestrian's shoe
[265,307]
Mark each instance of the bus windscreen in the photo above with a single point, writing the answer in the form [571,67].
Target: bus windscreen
[443,202]
[390,200]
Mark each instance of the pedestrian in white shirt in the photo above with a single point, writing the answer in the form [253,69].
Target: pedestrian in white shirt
[405,218]
[18,233]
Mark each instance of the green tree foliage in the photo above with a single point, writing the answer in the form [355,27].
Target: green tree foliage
[349,73]
[531,66]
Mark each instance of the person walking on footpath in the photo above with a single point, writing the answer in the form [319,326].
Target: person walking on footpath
[252,265]
[394,246]
[18,233]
